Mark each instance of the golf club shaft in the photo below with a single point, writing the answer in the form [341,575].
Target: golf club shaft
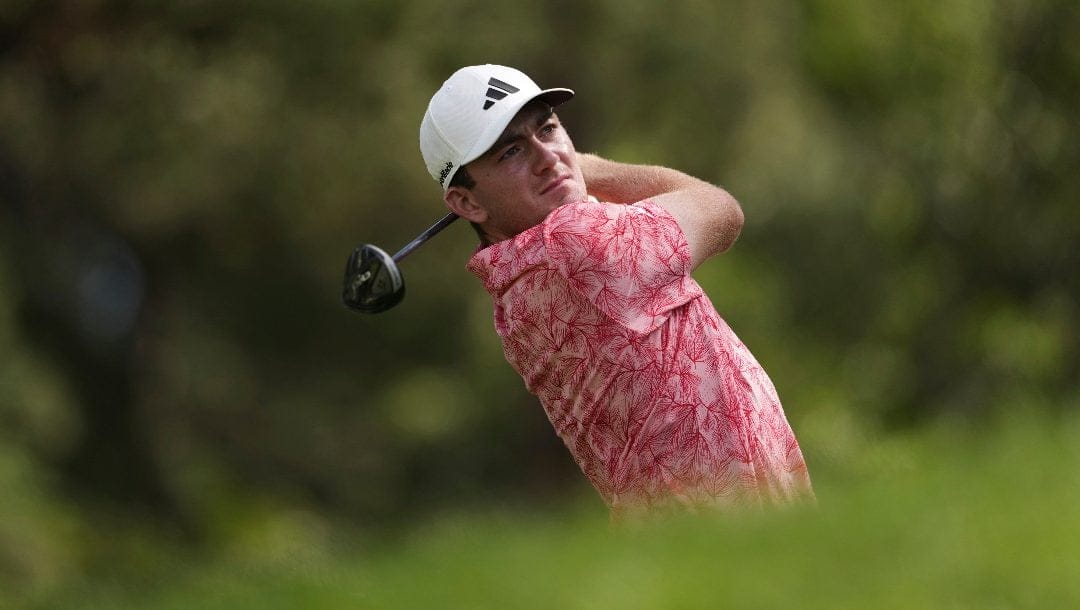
[432,230]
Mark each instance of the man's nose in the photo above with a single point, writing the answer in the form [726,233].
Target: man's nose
[546,156]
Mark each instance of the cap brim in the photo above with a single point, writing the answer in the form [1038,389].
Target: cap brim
[554,97]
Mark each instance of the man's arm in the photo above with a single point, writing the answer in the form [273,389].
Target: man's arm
[710,218]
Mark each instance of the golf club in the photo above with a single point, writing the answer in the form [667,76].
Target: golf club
[373,282]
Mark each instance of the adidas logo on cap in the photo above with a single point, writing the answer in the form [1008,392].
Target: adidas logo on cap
[496,91]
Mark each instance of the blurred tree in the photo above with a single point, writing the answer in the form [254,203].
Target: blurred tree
[180,184]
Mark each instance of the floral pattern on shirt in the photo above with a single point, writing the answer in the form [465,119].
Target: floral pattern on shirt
[658,401]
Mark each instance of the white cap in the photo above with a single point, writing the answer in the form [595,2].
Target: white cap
[469,112]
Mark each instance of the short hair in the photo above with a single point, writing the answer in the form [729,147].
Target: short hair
[462,178]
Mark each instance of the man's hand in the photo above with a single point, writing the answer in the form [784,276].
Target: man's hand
[710,218]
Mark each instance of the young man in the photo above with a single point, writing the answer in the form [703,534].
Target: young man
[658,401]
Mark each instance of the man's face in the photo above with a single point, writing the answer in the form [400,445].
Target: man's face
[529,171]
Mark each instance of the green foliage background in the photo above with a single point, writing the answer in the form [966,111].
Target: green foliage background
[180,183]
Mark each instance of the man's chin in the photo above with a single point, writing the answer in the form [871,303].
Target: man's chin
[572,195]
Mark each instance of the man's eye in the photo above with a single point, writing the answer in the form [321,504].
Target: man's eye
[509,152]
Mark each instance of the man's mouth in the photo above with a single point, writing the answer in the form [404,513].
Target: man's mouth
[554,183]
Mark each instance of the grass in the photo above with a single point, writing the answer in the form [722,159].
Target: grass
[949,517]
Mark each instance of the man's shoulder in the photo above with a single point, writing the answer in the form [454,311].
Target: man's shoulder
[583,224]
[629,261]
[593,213]
[576,212]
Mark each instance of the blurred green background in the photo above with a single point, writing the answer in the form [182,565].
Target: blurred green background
[189,418]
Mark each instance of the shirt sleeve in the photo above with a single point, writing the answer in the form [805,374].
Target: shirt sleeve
[631,261]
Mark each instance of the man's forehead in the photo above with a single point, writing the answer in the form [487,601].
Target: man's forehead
[533,113]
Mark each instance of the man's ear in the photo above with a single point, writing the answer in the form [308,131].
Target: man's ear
[462,202]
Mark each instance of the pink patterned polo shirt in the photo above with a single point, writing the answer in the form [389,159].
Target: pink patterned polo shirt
[658,401]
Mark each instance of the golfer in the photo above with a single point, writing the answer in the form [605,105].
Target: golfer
[588,262]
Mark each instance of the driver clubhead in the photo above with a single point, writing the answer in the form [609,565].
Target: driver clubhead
[373,282]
